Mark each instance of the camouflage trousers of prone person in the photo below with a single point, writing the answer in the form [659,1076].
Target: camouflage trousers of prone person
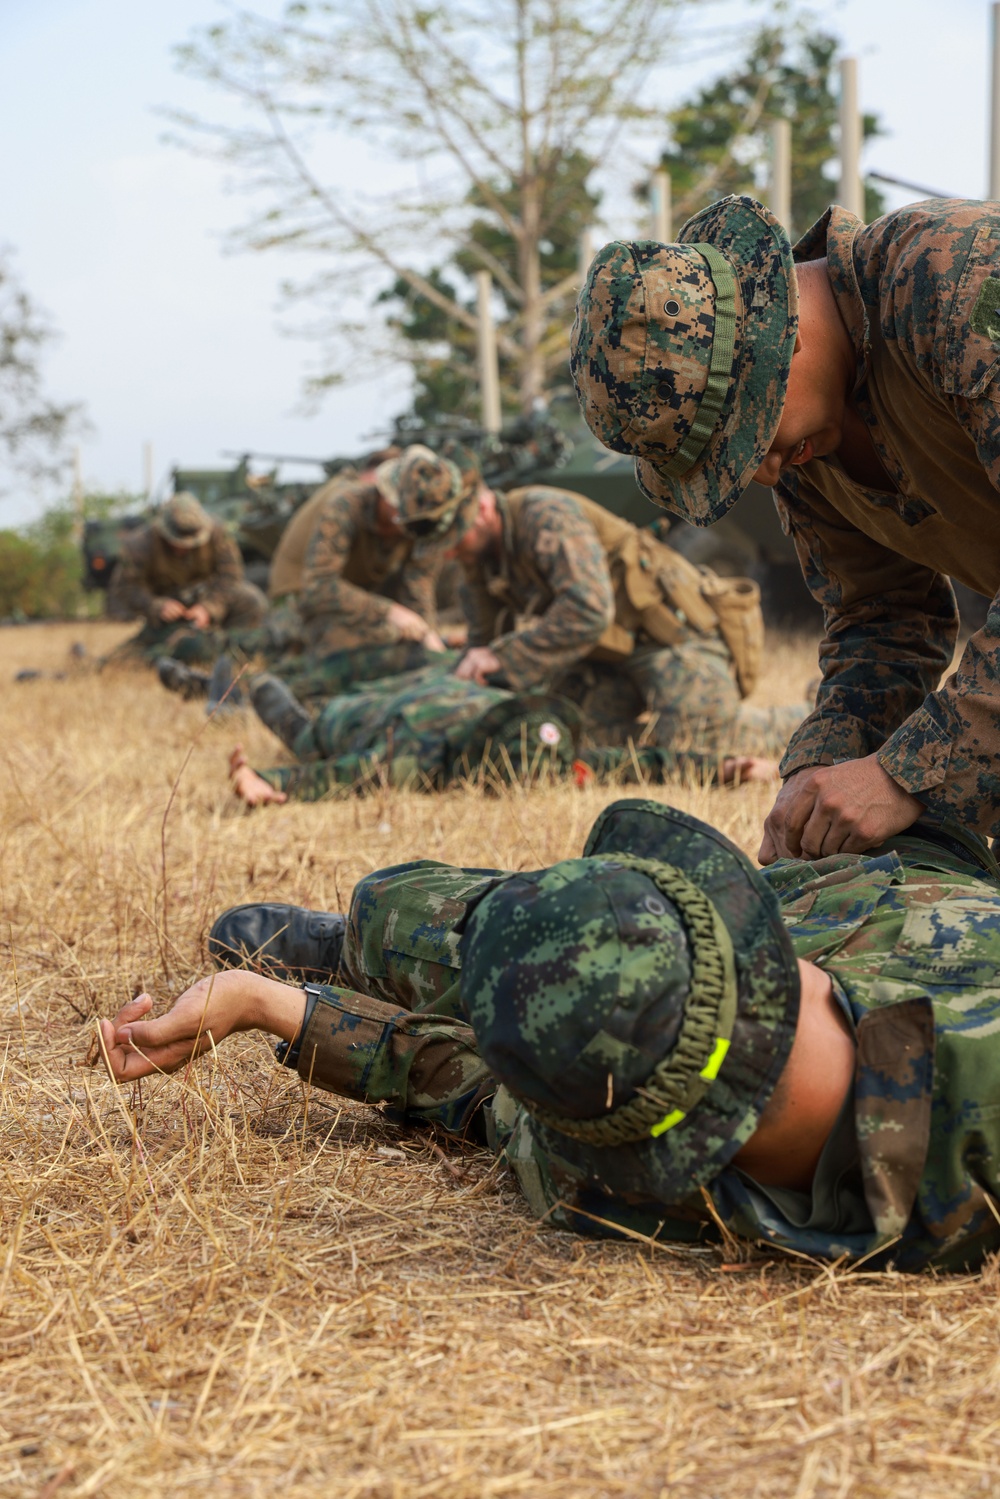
[394,1033]
[677,697]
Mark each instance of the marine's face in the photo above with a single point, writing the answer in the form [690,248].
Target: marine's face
[811,421]
[820,379]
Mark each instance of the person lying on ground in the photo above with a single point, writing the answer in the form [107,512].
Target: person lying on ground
[658,1038]
[430,729]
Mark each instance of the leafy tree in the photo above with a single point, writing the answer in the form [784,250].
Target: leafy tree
[719,139]
[41,564]
[441,349]
[33,428]
[505,105]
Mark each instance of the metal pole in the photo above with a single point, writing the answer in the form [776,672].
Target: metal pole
[489,368]
[147,470]
[779,187]
[663,228]
[994,187]
[852,195]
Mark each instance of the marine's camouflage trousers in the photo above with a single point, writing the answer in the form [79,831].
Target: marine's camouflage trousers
[676,697]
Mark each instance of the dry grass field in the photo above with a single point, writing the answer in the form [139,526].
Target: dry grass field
[221,1285]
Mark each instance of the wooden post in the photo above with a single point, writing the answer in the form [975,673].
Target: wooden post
[663,229]
[489,367]
[779,187]
[78,515]
[147,471]
[586,253]
[852,195]
[994,186]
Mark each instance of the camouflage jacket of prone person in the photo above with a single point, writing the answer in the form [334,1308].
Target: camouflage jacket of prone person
[910,938]
[151,570]
[352,575]
[572,580]
[919,293]
[425,728]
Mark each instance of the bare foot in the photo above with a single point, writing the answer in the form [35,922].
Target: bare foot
[737,770]
[251,788]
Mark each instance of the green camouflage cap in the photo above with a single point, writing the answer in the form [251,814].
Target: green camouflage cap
[680,354]
[183,521]
[641,1002]
[428,492]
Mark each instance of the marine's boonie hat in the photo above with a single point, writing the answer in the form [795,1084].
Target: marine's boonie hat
[680,353]
[641,1002]
[183,521]
[427,491]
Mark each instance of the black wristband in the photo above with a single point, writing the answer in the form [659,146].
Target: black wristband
[287,1052]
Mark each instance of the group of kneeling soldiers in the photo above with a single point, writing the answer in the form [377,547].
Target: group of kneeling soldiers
[589,643]
[662,1040]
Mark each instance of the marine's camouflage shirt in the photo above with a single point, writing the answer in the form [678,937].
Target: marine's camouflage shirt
[919,293]
[551,568]
[352,575]
[149,572]
[911,939]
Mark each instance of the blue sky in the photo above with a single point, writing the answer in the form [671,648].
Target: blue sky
[168,339]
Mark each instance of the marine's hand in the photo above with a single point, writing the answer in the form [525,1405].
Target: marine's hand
[248,785]
[836,809]
[171,609]
[198,616]
[204,1015]
[432,641]
[408,623]
[477,664]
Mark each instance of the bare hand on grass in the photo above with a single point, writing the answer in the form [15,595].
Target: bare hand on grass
[251,788]
[201,1017]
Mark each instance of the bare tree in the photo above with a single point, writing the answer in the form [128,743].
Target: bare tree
[490,97]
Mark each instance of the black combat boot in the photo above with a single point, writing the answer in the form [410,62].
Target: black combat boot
[225,692]
[284,942]
[178,677]
[279,708]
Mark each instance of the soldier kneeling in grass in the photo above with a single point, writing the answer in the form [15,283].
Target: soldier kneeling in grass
[658,1038]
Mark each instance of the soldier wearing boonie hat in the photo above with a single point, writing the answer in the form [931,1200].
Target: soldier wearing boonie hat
[857,374]
[426,492]
[372,564]
[657,1037]
[681,354]
[183,573]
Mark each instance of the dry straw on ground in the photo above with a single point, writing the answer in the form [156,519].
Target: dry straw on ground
[220,1284]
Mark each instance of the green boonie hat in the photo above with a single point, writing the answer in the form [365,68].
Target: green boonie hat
[183,521]
[641,1002]
[429,494]
[680,354]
